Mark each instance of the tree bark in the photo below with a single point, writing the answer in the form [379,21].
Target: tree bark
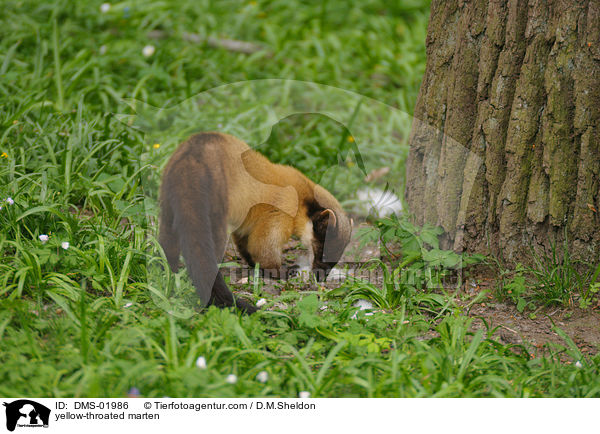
[505,147]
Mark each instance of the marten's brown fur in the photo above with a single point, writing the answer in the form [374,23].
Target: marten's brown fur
[215,180]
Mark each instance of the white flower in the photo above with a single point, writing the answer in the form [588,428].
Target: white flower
[231,379]
[104,7]
[304,394]
[128,305]
[262,376]
[261,302]
[378,202]
[10,201]
[578,364]
[201,363]
[363,305]
[65,245]
[148,50]
[43,238]
[102,49]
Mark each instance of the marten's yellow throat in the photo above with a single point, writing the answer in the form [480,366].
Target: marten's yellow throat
[215,182]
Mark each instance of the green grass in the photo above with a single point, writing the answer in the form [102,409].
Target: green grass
[88,320]
[553,279]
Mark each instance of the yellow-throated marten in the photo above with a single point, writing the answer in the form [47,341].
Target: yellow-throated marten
[214,181]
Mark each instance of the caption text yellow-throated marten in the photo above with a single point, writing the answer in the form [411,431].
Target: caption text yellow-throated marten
[214,181]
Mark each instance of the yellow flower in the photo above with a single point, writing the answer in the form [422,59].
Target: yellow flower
[351,139]
[4,155]
[156,145]
[15,122]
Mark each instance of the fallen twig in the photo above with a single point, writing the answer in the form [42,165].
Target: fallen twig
[509,329]
[227,44]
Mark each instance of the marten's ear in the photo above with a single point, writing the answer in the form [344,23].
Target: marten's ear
[324,220]
[328,216]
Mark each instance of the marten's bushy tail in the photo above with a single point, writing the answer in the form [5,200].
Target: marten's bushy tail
[194,223]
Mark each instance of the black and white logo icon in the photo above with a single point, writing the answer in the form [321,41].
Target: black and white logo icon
[26,413]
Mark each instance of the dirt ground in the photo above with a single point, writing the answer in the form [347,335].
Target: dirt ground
[512,326]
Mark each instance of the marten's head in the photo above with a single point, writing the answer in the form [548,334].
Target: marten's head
[332,230]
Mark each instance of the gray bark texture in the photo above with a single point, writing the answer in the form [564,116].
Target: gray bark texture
[505,148]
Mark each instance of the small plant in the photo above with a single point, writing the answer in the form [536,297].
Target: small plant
[556,278]
[413,266]
[416,251]
[553,279]
[396,290]
[559,279]
[587,295]
[516,288]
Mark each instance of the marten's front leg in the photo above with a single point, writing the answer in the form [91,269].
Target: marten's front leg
[264,245]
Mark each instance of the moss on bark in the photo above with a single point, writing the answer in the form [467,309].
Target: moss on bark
[505,148]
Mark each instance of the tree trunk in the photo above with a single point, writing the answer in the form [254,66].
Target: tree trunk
[505,148]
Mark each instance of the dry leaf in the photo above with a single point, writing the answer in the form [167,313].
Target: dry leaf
[377,173]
